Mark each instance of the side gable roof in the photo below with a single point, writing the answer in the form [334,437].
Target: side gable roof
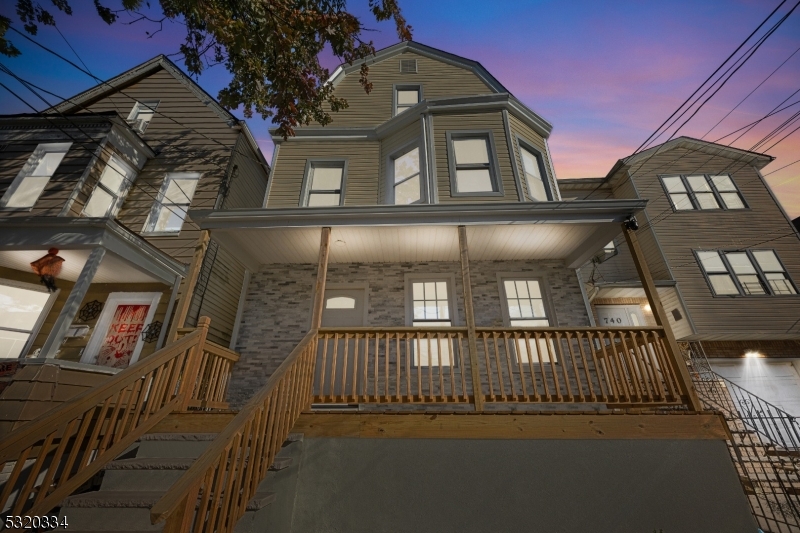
[423,50]
[81,100]
[757,159]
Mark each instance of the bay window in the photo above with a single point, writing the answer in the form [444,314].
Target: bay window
[35,175]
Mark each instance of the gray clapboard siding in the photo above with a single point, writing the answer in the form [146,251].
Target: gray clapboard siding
[248,185]
[528,134]
[362,170]
[680,233]
[442,123]
[389,145]
[189,137]
[217,293]
[22,142]
[438,79]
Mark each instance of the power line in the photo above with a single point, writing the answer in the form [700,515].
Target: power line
[784,166]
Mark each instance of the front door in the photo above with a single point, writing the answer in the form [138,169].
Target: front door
[342,308]
[619,315]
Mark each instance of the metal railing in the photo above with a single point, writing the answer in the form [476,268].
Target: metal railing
[764,445]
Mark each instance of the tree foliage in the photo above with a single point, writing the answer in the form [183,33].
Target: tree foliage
[270,47]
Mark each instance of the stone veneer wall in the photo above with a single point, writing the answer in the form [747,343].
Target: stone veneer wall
[277,311]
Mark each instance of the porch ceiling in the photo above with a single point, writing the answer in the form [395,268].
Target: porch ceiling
[573,243]
[113,268]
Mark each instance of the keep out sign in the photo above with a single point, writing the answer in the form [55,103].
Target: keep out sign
[122,336]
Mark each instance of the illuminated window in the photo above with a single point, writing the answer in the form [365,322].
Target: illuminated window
[35,175]
[174,199]
[747,272]
[702,192]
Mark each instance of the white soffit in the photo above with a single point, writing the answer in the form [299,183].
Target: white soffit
[113,269]
[628,292]
[389,244]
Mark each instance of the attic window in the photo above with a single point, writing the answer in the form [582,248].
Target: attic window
[141,115]
[408,66]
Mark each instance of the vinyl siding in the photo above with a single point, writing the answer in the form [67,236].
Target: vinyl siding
[492,122]
[21,141]
[217,293]
[362,170]
[389,145]
[188,136]
[438,80]
[518,128]
[248,185]
[679,233]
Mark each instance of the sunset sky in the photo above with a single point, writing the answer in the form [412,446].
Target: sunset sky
[605,74]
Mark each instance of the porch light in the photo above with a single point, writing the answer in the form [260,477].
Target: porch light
[752,354]
[48,267]
[647,308]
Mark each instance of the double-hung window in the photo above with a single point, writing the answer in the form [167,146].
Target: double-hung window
[107,196]
[324,184]
[430,302]
[525,306]
[406,97]
[533,168]
[473,165]
[748,273]
[702,191]
[22,309]
[34,176]
[406,182]
[174,198]
[141,114]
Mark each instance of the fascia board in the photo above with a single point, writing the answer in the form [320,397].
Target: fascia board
[576,211]
[136,250]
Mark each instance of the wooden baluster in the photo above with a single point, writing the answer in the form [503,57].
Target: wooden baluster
[37,465]
[193,364]
[323,368]
[14,477]
[659,376]
[116,417]
[514,397]
[230,474]
[205,489]
[439,356]
[462,363]
[669,375]
[365,396]
[601,369]
[654,385]
[552,356]
[563,364]
[332,392]
[453,397]
[76,448]
[621,381]
[398,367]
[641,361]
[498,369]
[540,359]
[87,454]
[568,338]
[489,373]
[353,389]
[430,366]
[418,361]
[375,391]
[237,496]
[345,357]
[634,368]
[260,463]
[579,338]
[54,464]
[515,343]
[386,368]
[529,352]
[409,393]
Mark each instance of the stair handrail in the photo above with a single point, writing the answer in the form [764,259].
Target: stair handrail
[225,477]
[97,425]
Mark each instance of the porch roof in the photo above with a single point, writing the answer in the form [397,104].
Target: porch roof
[131,259]
[572,231]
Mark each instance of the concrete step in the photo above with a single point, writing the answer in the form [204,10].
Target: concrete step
[142,500]
[174,445]
[144,473]
[280,463]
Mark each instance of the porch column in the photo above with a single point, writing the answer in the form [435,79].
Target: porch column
[322,273]
[189,283]
[73,303]
[470,317]
[661,317]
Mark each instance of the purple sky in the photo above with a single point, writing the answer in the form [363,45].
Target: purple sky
[604,74]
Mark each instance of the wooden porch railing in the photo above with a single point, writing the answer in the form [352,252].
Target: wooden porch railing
[213,494]
[55,454]
[578,365]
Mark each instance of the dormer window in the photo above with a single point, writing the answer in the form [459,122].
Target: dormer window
[107,196]
[141,115]
[324,184]
[535,176]
[406,96]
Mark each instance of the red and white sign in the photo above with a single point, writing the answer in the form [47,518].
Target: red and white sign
[122,336]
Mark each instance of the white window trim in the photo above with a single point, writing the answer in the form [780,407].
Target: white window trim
[526,276]
[114,299]
[45,310]
[137,107]
[152,218]
[305,190]
[129,171]
[405,87]
[450,278]
[25,172]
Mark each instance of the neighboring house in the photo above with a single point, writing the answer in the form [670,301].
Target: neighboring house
[723,251]
[107,178]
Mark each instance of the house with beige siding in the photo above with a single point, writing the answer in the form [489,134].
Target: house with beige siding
[400,330]
[722,250]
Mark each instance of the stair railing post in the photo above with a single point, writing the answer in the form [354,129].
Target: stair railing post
[192,368]
[650,290]
[181,520]
[319,300]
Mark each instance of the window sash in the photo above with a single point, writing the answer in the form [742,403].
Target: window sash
[142,114]
[168,215]
[473,169]
[405,98]
[30,182]
[531,166]
[405,184]
[114,170]
[740,273]
[702,192]
[324,197]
